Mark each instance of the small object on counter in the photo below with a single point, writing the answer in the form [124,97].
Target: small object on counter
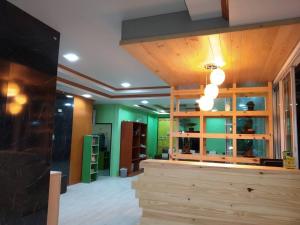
[288,160]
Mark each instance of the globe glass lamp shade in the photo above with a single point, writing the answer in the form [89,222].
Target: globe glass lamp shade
[211,90]
[217,76]
[206,103]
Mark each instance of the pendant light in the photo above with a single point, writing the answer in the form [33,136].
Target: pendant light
[211,90]
[206,103]
[217,76]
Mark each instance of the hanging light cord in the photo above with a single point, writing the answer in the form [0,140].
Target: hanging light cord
[213,54]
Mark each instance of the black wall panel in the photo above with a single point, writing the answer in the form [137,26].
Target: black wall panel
[28,68]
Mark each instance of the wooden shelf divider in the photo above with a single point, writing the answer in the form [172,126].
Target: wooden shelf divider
[233,92]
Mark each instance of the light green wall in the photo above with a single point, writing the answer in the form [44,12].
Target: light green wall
[163,134]
[213,125]
[115,114]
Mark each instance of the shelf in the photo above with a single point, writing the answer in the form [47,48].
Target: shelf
[216,158]
[253,136]
[186,135]
[196,93]
[187,114]
[222,114]
[252,113]
[139,159]
[223,136]
[90,158]
[235,93]
[186,156]
[131,151]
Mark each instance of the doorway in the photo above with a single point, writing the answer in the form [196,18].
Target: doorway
[104,131]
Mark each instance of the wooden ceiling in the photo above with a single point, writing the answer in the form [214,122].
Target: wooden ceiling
[253,55]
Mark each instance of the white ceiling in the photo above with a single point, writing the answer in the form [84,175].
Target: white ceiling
[204,9]
[92,29]
[254,11]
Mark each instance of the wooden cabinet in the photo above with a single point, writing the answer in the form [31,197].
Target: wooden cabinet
[133,146]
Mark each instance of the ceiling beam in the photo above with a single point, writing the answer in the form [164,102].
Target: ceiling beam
[101,83]
[94,91]
[179,25]
[167,26]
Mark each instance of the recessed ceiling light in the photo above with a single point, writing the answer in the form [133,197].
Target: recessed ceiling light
[144,102]
[68,104]
[136,105]
[69,96]
[86,95]
[71,57]
[162,111]
[126,84]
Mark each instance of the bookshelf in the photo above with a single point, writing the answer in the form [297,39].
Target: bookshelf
[133,146]
[235,138]
[90,158]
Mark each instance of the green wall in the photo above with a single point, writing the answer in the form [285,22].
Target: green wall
[163,134]
[115,114]
[152,135]
[213,125]
[216,125]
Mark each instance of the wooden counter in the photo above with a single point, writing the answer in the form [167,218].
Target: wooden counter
[178,193]
[54,198]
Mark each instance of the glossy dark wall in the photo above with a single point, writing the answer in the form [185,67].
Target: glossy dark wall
[28,68]
[61,150]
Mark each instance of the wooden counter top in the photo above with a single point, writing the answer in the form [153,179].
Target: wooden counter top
[199,165]
[192,193]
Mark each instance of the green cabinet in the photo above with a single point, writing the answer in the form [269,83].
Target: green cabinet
[90,158]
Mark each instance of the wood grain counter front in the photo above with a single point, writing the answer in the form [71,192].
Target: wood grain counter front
[178,193]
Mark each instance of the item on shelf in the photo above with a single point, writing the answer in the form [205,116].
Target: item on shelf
[143,156]
[250,105]
[212,152]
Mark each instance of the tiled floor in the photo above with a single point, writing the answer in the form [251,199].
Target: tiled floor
[108,201]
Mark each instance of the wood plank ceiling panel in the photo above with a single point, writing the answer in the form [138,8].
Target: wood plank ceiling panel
[254,55]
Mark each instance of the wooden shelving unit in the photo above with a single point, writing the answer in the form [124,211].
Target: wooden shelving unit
[133,146]
[90,158]
[233,93]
